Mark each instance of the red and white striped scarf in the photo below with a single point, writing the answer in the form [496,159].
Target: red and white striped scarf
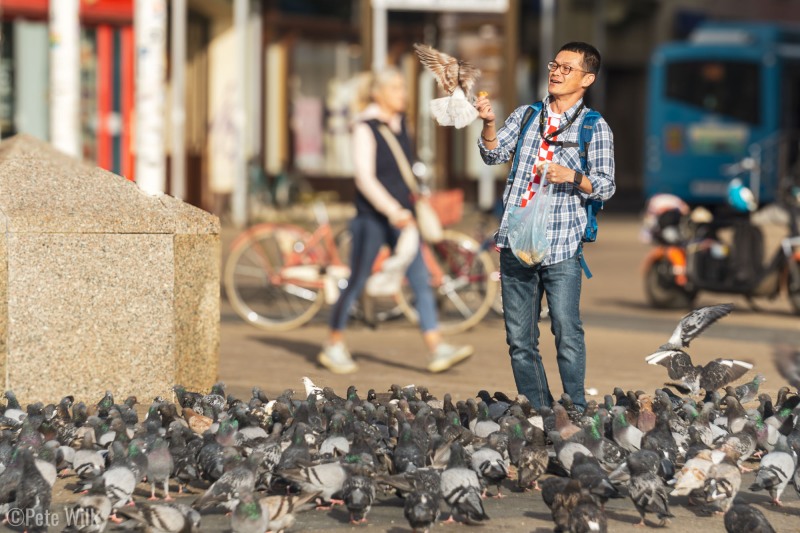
[546,151]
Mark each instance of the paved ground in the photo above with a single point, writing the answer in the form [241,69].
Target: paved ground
[620,331]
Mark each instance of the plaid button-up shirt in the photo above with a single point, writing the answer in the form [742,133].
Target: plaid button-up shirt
[568,216]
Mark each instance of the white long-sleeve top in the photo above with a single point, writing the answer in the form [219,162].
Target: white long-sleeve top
[364,155]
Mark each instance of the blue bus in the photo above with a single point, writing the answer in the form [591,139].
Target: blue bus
[729,93]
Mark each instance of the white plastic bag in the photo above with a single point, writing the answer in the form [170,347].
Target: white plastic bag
[388,280]
[527,226]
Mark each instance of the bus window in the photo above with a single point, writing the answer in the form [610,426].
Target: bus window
[728,88]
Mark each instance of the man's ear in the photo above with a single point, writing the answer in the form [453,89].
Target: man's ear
[588,80]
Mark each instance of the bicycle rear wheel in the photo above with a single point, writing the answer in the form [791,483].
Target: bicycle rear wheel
[466,291]
[271,280]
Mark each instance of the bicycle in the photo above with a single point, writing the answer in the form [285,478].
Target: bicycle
[278,276]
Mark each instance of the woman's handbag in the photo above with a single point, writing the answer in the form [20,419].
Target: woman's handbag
[430,228]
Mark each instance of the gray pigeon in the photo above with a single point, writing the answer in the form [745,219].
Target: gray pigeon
[336,443]
[774,473]
[628,437]
[33,495]
[421,509]
[593,478]
[690,378]
[359,492]
[159,467]
[588,517]
[693,323]
[164,517]
[239,478]
[408,455]
[566,450]
[249,516]
[89,514]
[742,518]
[325,479]
[88,463]
[461,488]
[118,483]
[747,392]
[491,467]
[646,488]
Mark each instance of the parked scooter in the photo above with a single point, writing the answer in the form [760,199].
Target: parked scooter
[696,251]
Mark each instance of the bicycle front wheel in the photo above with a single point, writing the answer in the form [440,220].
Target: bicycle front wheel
[464,290]
[270,279]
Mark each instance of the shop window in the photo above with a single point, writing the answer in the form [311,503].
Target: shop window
[321,99]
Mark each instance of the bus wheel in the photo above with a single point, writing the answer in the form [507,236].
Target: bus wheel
[662,291]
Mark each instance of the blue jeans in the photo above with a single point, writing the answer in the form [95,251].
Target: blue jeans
[369,234]
[522,289]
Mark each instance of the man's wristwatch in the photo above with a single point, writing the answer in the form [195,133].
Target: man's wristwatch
[577,179]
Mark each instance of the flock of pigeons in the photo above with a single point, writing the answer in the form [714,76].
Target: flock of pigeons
[264,460]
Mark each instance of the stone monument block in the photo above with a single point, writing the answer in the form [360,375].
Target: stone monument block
[102,286]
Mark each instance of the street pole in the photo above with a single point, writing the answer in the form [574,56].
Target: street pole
[256,87]
[178,105]
[547,22]
[380,34]
[150,28]
[65,88]
[239,195]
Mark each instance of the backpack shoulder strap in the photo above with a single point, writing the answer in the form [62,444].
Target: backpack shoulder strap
[532,110]
[592,206]
[585,136]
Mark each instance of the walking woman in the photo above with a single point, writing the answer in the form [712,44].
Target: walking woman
[384,206]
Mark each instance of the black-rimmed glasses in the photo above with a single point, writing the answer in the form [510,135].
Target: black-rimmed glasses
[565,69]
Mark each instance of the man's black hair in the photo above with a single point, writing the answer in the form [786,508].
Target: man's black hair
[591,57]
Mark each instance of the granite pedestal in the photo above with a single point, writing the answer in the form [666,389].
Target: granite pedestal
[102,287]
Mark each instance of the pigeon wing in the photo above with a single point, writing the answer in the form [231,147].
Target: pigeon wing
[444,67]
[694,323]
[468,74]
[678,363]
[720,372]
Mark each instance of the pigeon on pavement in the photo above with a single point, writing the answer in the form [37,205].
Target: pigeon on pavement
[743,518]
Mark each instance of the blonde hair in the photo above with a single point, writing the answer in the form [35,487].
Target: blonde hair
[367,83]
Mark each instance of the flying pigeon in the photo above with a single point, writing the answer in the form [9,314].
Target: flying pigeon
[695,323]
[691,378]
[457,78]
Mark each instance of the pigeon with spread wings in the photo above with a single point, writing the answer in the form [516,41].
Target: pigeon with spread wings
[456,77]
[688,377]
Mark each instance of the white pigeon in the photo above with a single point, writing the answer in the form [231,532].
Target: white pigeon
[456,77]
[312,389]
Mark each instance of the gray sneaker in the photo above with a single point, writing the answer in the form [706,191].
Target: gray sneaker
[446,355]
[336,358]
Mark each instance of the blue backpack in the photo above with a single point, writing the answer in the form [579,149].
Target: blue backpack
[584,138]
